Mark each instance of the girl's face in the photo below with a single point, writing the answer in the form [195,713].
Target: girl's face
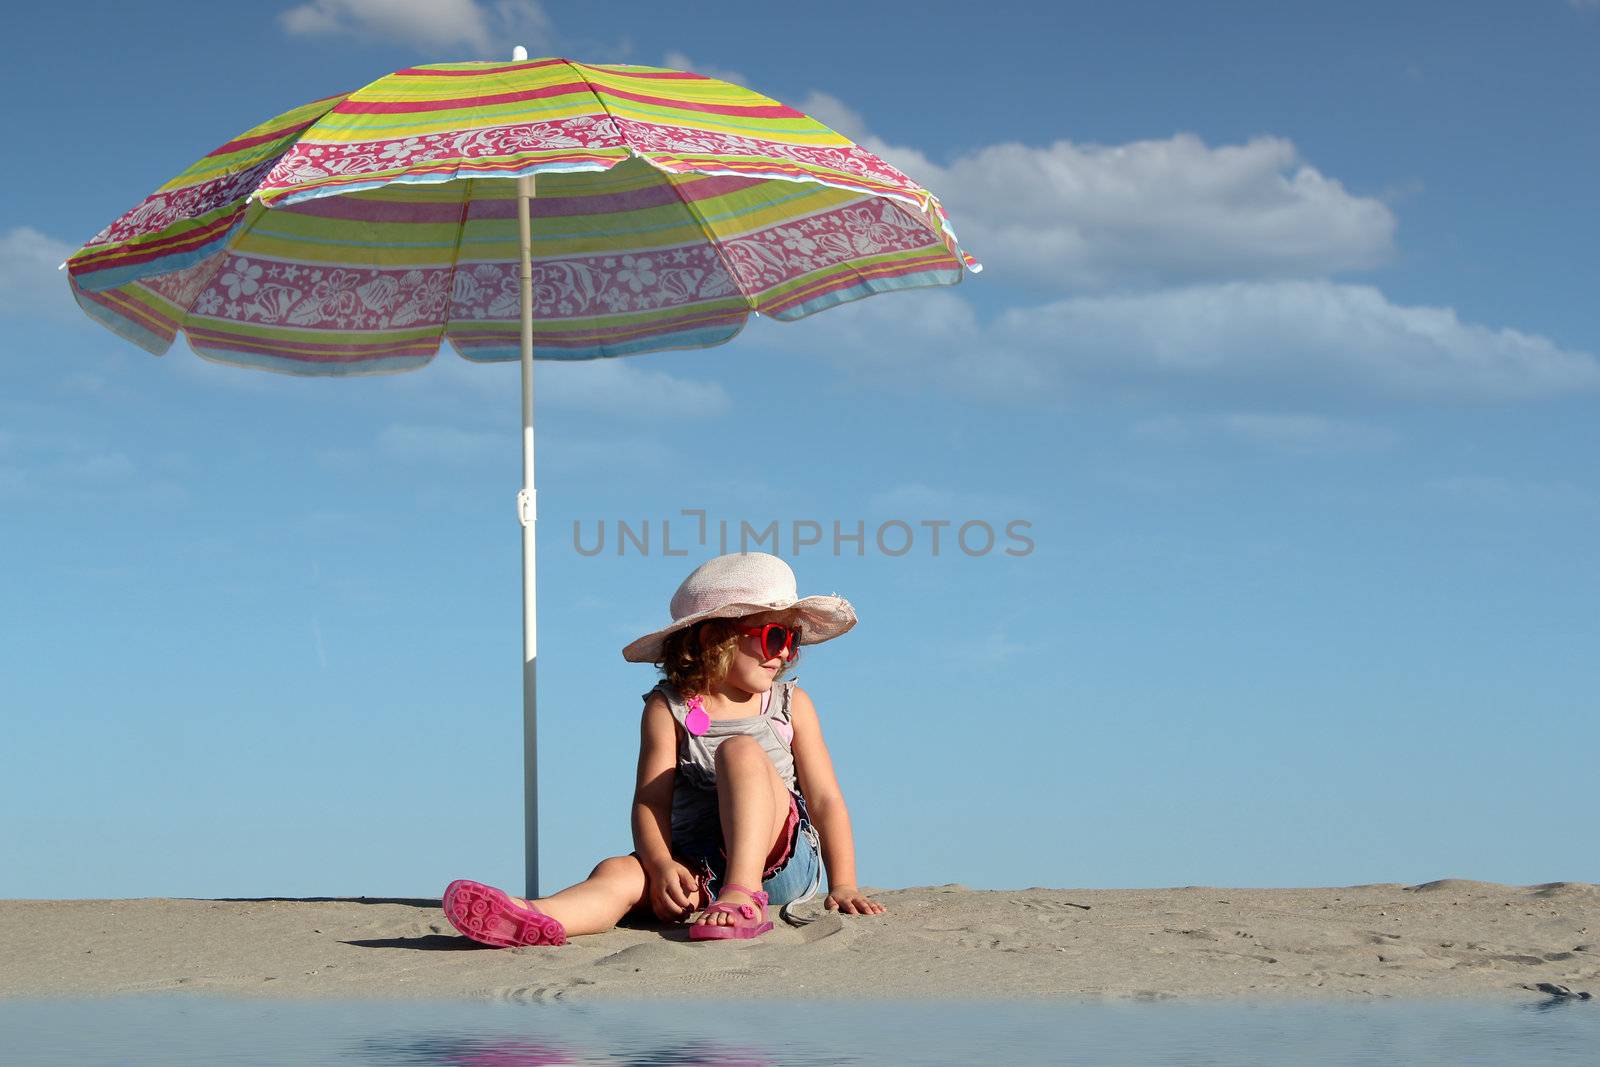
[752,670]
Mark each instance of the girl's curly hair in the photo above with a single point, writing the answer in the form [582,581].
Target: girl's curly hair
[696,659]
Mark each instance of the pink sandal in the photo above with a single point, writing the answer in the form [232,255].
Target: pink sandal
[744,925]
[488,915]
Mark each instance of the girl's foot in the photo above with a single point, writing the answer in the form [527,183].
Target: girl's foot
[737,913]
[489,916]
[728,895]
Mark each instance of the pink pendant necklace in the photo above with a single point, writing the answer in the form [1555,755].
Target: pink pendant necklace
[697,721]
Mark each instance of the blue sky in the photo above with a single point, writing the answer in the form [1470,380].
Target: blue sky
[1284,350]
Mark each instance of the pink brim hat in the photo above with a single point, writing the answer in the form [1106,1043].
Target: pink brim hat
[740,584]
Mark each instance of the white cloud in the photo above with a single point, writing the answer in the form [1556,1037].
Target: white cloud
[1304,339]
[1294,334]
[1149,212]
[902,341]
[1146,213]
[840,118]
[1205,267]
[488,29]
[30,282]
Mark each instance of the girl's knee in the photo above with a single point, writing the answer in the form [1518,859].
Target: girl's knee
[626,869]
[740,746]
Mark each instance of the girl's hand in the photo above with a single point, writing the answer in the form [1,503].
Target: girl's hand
[672,889]
[850,901]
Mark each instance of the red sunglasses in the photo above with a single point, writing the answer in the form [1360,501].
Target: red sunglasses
[776,638]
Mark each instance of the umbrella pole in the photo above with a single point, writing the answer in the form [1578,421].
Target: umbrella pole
[527,512]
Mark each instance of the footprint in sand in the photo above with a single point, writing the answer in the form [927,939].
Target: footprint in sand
[968,935]
[541,994]
[1053,910]
[1239,955]
[829,929]
[650,955]
[994,929]
[725,974]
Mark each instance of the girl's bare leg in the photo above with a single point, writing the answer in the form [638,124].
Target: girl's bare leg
[614,888]
[754,804]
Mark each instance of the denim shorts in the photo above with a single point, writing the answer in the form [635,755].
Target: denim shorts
[797,880]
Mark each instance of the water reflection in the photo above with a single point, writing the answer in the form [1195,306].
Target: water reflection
[453,1050]
[1565,1003]
[198,1031]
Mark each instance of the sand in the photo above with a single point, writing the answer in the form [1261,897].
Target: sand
[1447,938]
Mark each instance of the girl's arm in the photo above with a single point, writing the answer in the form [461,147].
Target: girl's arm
[670,887]
[652,797]
[825,804]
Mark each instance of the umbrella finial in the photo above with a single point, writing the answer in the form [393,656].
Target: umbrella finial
[519,54]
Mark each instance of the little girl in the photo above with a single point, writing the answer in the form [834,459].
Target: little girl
[732,772]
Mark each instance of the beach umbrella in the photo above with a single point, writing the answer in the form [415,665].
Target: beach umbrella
[539,208]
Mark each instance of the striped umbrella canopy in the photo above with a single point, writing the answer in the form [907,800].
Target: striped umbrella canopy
[569,210]
[354,233]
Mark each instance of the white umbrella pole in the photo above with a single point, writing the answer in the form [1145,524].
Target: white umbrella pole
[527,512]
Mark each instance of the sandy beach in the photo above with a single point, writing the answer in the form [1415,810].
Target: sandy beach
[1445,938]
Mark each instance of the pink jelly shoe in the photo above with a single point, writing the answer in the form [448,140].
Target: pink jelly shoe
[487,915]
[745,924]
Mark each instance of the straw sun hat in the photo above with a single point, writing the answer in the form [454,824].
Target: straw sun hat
[746,583]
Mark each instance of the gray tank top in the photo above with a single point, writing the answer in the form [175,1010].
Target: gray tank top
[694,790]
